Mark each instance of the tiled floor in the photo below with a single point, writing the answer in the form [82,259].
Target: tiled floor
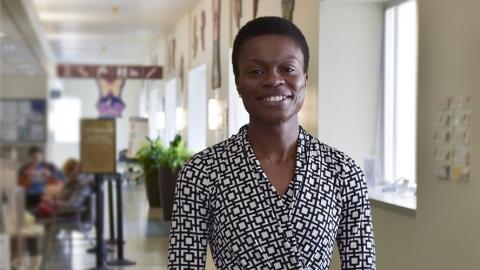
[146,236]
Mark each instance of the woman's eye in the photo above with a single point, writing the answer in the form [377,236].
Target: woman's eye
[256,72]
[289,69]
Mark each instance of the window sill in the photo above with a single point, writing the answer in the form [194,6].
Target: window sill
[395,201]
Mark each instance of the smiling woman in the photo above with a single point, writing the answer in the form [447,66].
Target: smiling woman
[271,78]
[271,196]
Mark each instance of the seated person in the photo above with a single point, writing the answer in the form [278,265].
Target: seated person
[72,195]
[35,175]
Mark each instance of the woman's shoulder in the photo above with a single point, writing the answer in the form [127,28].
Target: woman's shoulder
[329,154]
[213,154]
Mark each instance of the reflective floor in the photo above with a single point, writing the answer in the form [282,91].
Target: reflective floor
[146,236]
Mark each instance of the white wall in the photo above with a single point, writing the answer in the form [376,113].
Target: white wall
[87,91]
[445,232]
[448,214]
[349,80]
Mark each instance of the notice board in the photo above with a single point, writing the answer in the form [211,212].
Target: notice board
[98,146]
[22,120]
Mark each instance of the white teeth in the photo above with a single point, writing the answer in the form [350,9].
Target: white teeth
[275,98]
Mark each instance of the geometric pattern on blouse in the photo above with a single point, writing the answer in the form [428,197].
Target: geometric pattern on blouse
[223,198]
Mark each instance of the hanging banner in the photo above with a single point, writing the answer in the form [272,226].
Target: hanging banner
[110,72]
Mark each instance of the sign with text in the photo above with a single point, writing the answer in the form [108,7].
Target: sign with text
[110,72]
[97,147]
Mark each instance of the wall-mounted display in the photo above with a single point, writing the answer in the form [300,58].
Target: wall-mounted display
[22,120]
[452,139]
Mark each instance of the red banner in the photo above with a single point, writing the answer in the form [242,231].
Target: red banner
[110,72]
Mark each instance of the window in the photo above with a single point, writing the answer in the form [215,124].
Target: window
[64,120]
[197,108]
[400,92]
[170,111]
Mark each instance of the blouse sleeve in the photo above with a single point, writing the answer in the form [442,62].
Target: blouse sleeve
[355,234]
[190,221]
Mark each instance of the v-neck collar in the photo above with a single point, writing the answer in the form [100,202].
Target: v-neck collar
[260,175]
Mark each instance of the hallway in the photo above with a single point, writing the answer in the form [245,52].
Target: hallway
[145,233]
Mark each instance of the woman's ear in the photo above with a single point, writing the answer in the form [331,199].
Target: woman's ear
[306,79]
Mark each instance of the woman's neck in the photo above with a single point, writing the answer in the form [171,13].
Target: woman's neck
[274,142]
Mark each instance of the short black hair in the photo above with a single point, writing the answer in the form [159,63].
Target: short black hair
[268,26]
[34,149]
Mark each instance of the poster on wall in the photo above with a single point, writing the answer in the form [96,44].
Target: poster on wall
[171,55]
[202,29]
[182,73]
[216,73]
[287,9]
[237,5]
[195,38]
[98,145]
[452,139]
[137,136]
[110,103]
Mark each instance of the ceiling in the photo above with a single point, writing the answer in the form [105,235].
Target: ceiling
[16,57]
[108,31]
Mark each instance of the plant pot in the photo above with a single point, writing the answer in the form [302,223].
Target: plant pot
[168,181]
[152,188]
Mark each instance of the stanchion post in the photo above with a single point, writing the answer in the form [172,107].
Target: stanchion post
[120,258]
[100,249]
[111,218]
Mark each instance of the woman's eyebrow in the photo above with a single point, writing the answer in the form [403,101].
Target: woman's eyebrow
[257,60]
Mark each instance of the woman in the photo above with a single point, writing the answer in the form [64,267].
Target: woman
[271,196]
[72,196]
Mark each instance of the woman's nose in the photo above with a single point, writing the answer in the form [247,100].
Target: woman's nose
[273,79]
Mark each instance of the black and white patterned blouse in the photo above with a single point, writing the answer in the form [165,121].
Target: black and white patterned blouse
[223,198]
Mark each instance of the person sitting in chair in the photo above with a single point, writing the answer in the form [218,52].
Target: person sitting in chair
[35,175]
[72,196]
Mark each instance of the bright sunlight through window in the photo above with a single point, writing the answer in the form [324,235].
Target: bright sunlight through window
[400,92]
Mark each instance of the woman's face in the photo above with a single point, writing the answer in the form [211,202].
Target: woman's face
[73,173]
[271,79]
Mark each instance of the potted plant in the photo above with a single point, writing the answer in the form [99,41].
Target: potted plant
[149,156]
[171,161]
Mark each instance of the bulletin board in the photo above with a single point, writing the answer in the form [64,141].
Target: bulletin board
[22,120]
[98,145]
[452,139]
